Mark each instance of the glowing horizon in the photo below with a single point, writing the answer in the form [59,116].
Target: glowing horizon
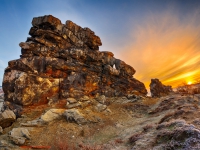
[166,48]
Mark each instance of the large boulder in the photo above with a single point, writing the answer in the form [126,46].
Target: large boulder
[61,61]
[158,89]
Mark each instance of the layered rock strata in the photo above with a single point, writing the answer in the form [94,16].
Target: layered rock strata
[61,61]
[157,89]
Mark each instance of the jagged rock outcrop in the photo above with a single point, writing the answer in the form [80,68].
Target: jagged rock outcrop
[61,61]
[158,89]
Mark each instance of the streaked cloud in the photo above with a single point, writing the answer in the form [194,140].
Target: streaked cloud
[166,46]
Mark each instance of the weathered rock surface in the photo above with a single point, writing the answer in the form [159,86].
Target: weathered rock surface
[73,115]
[60,61]
[158,89]
[52,114]
[19,135]
[7,118]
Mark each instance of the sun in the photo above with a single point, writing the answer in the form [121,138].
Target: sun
[189,83]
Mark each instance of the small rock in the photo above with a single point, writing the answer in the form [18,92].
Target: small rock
[100,107]
[124,98]
[26,134]
[84,98]
[108,110]
[84,104]
[19,135]
[101,99]
[52,114]
[131,96]
[73,105]
[18,140]
[33,123]
[71,100]
[74,115]
[7,118]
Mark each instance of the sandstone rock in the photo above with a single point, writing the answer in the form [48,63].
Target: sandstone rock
[19,135]
[52,114]
[7,118]
[61,61]
[158,89]
[74,115]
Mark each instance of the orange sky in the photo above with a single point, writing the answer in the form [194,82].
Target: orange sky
[166,47]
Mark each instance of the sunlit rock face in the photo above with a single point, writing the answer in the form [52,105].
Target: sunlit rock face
[63,60]
[158,89]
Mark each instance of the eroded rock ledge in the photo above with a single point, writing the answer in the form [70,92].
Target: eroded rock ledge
[61,61]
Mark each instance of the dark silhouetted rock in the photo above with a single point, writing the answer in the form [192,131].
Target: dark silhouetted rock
[158,89]
[62,61]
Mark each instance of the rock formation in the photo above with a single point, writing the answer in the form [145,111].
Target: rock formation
[63,61]
[158,89]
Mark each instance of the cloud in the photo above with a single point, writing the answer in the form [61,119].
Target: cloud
[165,46]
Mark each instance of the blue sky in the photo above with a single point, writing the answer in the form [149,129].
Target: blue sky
[136,31]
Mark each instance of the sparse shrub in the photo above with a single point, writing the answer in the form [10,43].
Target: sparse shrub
[147,127]
[134,138]
[118,141]
[166,117]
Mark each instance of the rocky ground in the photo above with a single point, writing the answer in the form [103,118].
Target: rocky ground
[137,123]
